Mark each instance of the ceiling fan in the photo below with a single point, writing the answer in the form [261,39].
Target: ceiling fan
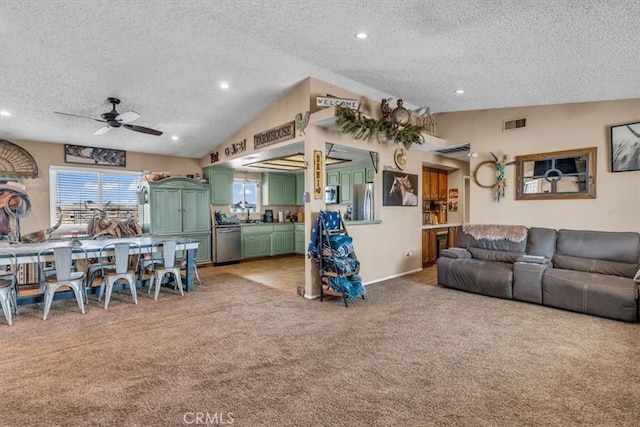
[113,119]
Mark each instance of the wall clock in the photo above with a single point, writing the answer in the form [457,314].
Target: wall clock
[400,114]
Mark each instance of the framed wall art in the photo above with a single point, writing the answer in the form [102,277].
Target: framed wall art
[400,189]
[94,156]
[625,147]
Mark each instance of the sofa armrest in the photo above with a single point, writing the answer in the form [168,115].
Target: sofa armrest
[455,253]
[535,259]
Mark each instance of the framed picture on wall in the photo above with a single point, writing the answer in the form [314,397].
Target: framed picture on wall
[94,156]
[400,189]
[625,147]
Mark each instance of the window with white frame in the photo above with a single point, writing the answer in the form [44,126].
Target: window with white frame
[246,195]
[79,192]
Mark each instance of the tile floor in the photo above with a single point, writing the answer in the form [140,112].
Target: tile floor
[287,272]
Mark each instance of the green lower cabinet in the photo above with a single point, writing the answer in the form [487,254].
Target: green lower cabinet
[298,240]
[204,248]
[282,242]
[255,245]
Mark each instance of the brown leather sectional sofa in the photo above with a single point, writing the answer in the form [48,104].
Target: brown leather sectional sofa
[584,271]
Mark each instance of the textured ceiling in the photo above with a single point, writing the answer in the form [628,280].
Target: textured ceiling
[165,59]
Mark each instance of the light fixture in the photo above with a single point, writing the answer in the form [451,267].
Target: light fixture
[175,137]
[460,91]
[224,85]
[362,35]
[5,113]
[473,155]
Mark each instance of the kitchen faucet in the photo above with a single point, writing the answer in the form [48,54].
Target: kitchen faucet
[248,214]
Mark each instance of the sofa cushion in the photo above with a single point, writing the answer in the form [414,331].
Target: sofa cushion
[541,242]
[480,277]
[492,255]
[603,295]
[616,253]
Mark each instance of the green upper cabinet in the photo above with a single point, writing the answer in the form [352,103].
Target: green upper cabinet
[299,189]
[358,176]
[346,186]
[333,177]
[221,183]
[369,175]
[278,189]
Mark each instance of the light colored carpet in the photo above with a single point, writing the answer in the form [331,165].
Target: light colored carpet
[408,355]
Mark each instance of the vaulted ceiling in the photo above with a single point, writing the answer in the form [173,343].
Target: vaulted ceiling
[166,60]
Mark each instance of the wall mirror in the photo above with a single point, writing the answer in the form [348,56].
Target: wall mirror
[569,174]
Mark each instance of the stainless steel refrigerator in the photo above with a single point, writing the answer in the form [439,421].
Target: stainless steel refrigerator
[363,202]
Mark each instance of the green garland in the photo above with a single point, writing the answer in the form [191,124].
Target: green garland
[354,122]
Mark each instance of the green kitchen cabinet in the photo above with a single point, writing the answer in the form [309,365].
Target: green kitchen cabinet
[282,239]
[346,186]
[299,189]
[358,176]
[256,240]
[255,245]
[333,177]
[298,242]
[369,174]
[178,207]
[221,185]
[278,189]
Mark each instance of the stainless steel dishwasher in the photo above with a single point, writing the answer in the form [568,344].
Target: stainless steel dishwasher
[228,246]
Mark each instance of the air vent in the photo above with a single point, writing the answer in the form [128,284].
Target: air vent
[514,124]
[459,152]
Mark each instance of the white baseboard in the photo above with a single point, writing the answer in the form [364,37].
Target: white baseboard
[373,281]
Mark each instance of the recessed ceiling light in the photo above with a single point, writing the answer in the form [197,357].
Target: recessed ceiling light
[224,85]
[175,138]
[460,91]
[5,113]
[362,36]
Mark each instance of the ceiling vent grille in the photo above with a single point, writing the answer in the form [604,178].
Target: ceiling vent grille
[458,152]
[514,124]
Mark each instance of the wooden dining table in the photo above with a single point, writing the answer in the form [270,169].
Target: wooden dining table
[28,254]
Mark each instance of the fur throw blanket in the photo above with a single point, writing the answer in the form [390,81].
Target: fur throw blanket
[512,233]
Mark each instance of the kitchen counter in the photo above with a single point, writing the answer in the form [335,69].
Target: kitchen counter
[451,224]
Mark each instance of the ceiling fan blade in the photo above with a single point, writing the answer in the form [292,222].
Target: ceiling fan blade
[102,130]
[143,129]
[128,117]
[83,117]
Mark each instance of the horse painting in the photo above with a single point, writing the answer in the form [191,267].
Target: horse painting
[402,190]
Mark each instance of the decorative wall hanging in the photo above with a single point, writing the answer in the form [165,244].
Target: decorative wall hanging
[625,147]
[328,101]
[275,135]
[318,187]
[302,122]
[500,183]
[15,161]
[399,157]
[235,148]
[399,189]
[215,157]
[393,126]
[453,193]
[94,156]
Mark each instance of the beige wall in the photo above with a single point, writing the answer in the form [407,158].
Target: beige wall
[551,128]
[48,154]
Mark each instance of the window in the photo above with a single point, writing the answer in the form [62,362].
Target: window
[246,195]
[79,192]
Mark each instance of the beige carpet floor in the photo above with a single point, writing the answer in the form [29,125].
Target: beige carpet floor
[236,352]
